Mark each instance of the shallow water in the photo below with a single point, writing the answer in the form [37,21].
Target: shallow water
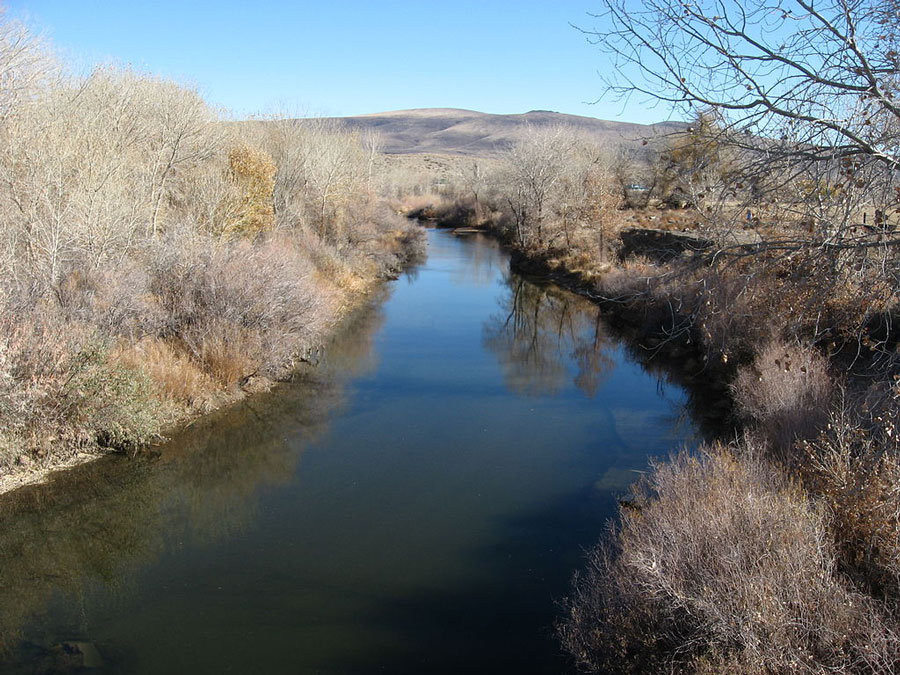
[417,503]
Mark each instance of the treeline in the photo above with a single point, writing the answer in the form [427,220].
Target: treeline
[157,259]
[549,196]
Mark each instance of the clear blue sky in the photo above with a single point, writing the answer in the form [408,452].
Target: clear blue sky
[347,57]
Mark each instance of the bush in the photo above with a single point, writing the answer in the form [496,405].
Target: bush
[59,388]
[785,393]
[854,469]
[238,309]
[722,565]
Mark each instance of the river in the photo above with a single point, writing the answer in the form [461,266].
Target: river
[415,503]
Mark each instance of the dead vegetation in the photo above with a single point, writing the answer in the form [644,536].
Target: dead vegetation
[721,564]
[158,261]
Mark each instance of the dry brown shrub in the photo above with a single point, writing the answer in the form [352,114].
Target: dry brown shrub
[722,565]
[240,307]
[117,301]
[785,393]
[855,471]
[629,279]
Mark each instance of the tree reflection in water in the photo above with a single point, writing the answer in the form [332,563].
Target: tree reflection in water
[544,336]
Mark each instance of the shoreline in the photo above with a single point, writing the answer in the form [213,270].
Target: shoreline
[33,473]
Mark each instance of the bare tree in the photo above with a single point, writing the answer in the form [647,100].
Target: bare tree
[26,64]
[534,170]
[827,72]
[806,92]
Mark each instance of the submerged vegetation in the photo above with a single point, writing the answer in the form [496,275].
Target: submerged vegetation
[158,260]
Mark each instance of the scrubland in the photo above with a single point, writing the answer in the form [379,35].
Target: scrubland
[159,260]
[777,550]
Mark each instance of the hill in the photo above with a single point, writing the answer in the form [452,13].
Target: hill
[451,131]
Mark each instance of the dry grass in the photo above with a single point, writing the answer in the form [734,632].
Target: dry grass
[176,378]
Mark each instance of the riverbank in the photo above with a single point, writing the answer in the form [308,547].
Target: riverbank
[800,355]
[173,390]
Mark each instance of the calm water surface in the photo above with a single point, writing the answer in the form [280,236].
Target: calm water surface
[415,504]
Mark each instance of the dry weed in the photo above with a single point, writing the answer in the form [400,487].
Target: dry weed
[785,393]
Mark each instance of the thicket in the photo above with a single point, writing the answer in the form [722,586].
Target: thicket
[158,260]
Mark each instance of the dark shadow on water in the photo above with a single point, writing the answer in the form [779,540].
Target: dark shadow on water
[506,623]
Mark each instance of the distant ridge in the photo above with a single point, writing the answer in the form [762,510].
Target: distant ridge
[455,131]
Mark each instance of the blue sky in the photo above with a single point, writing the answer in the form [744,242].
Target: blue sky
[346,57]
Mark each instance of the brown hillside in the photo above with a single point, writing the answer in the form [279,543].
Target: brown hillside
[469,133]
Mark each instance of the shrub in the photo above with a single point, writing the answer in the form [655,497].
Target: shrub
[722,565]
[854,470]
[786,392]
[238,308]
[60,388]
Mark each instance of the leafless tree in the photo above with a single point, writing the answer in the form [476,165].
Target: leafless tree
[805,91]
[534,171]
[26,64]
[825,71]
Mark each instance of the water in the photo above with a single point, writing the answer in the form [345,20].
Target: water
[415,504]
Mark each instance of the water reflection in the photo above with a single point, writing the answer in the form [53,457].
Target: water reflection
[482,264]
[543,331]
[433,521]
[99,522]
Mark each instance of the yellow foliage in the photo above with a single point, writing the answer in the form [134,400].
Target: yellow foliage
[249,210]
